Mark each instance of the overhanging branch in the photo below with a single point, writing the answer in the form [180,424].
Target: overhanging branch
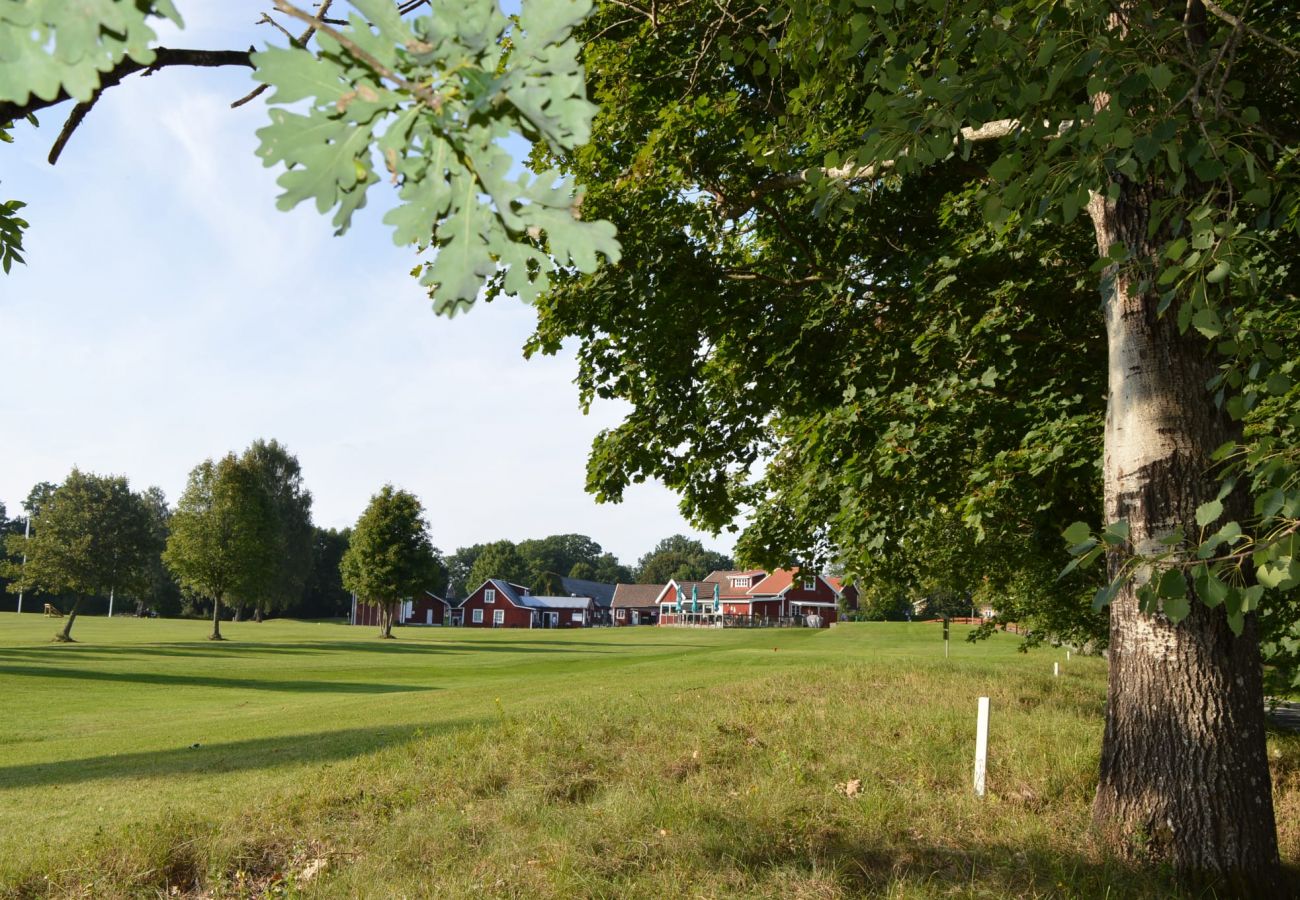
[163,57]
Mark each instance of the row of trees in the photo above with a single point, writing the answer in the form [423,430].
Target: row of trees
[241,538]
[241,534]
[540,563]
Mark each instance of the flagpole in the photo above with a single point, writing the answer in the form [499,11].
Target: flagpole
[27,536]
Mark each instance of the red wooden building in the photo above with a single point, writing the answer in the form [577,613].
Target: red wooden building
[429,609]
[753,596]
[636,604]
[497,604]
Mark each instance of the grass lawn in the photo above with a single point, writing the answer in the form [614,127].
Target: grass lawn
[312,759]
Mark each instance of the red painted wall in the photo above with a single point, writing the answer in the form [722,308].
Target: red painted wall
[515,617]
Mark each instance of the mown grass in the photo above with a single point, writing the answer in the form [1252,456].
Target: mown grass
[604,763]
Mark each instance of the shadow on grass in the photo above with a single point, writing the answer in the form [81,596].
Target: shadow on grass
[207,759]
[243,684]
[203,649]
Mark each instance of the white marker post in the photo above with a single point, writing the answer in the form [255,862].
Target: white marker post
[1067,655]
[981,745]
[1056,670]
[110,602]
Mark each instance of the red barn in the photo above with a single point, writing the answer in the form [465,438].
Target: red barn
[497,604]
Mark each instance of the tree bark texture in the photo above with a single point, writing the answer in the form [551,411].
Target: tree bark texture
[216,621]
[65,635]
[1184,770]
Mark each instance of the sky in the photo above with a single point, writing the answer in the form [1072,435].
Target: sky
[169,313]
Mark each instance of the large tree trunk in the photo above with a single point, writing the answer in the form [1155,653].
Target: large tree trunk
[1184,772]
[257,613]
[216,620]
[386,611]
[65,634]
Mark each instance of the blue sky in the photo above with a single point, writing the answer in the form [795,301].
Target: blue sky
[168,313]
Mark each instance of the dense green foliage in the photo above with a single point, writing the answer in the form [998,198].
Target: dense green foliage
[679,557]
[499,559]
[223,534]
[91,535]
[389,556]
[281,477]
[323,595]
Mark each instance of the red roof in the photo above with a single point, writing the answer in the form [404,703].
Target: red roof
[780,581]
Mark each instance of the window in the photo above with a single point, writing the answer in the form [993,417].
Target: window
[740,582]
[498,616]
[578,616]
[622,613]
[490,596]
[810,584]
[478,617]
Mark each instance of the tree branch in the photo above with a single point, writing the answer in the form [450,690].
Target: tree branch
[11,111]
[1236,22]
[850,173]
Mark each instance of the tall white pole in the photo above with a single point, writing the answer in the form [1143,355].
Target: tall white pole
[981,745]
[110,602]
[27,536]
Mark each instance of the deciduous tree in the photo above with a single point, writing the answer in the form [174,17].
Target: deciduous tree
[679,557]
[281,477]
[390,557]
[223,533]
[90,535]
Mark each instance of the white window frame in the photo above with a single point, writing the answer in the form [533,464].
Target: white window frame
[477,617]
[810,584]
[622,614]
[490,595]
[498,617]
[579,616]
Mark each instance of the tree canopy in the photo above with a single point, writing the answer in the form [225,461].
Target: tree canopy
[679,557]
[390,557]
[90,535]
[281,477]
[223,534]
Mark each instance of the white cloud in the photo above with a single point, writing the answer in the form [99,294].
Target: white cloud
[169,312]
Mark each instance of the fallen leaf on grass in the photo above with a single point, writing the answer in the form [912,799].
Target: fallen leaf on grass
[850,789]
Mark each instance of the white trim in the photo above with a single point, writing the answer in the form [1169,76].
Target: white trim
[490,595]
[621,614]
[476,617]
[498,618]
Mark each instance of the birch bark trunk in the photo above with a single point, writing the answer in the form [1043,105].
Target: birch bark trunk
[1184,771]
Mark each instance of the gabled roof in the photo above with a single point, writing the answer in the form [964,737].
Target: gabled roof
[722,578]
[599,591]
[837,584]
[781,581]
[636,595]
[556,602]
[705,590]
[512,592]
[443,600]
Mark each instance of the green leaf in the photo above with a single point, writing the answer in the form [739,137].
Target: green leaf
[1208,512]
[1160,76]
[1077,533]
[1176,608]
[1219,272]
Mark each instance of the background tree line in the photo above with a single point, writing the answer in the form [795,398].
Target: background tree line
[240,542]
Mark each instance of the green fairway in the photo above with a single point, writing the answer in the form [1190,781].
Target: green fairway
[607,762]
